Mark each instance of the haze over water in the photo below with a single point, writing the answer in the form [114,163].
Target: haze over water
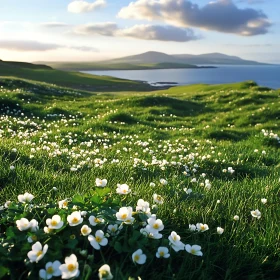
[265,75]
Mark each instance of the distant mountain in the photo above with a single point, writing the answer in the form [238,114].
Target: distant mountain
[154,60]
[146,58]
[206,59]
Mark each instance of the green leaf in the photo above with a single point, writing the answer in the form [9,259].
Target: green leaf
[3,271]
[78,199]
[102,191]
[96,200]
[11,232]
[118,247]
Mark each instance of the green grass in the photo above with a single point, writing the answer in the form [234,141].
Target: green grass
[75,80]
[153,135]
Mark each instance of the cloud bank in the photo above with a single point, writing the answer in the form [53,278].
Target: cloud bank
[221,15]
[30,46]
[142,31]
[81,6]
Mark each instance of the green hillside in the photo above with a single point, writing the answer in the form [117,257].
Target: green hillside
[75,80]
[203,158]
[91,66]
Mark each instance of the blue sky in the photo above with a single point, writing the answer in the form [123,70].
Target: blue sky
[87,30]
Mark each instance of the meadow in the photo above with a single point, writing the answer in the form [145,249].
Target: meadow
[179,183]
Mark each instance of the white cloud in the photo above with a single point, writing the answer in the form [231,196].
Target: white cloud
[142,31]
[159,33]
[220,15]
[54,24]
[30,46]
[81,6]
[104,29]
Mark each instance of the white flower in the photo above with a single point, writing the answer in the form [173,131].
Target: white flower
[24,198]
[152,184]
[220,230]
[143,206]
[12,167]
[158,198]
[125,215]
[85,230]
[23,224]
[104,272]
[154,225]
[75,218]
[163,182]
[175,241]
[113,229]
[37,252]
[94,220]
[55,222]
[52,269]
[236,217]
[33,225]
[139,257]
[207,184]
[32,238]
[63,204]
[230,170]
[71,267]
[192,227]
[162,252]
[123,189]
[7,204]
[98,240]
[187,191]
[256,214]
[264,200]
[202,227]
[100,182]
[194,250]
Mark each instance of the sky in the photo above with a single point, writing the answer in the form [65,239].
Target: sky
[92,30]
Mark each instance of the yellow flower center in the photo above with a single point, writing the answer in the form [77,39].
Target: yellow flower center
[175,238]
[136,258]
[39,253]
[96,220]
[50,270]
[65,203]
[98,239]
[193,251]
[202,227]
[156,226]
[71,267]
[84,230]
[159,198]
[161,253]
[124,191]
[113,229]
[104,273]
[75,220]
[124,216]
[54,223]
[34,237]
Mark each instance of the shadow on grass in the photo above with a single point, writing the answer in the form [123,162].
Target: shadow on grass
[169,105]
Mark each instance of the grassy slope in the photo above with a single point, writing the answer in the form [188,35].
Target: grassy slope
[88,66]
[222,123]
[68,79]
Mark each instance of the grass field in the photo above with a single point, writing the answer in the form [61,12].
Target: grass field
[75,80]
[199,156]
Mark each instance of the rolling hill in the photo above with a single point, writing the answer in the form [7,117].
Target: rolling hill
[155,60]
[76,80]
